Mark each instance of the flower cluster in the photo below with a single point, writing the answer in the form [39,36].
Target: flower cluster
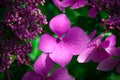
[22,21]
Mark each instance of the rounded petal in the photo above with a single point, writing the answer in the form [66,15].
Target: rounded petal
[47,43]
[43,65]
[112,40]
[93,12]
[61,74]
[60,24]
[62,55]
[86,55]
[77,40]
[31,75]
[79,4]
[108,64]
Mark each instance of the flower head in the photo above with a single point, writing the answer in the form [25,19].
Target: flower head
[98,50]
[42,67]
[69,41]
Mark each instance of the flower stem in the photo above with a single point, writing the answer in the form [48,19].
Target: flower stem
[8,75]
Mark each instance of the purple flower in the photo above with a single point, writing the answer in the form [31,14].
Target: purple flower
[74,4]
[97,50]
[12,46]
[111,62]
[42,67]
[26,22]
[69,41]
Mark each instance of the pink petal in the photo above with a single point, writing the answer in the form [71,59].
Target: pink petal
[77,40]
[62,55]
[108,64]
[79,4]
[61,74]
[93,12]
[118,68]
[104,44]
[96,42]
[86,55]
[112,40]
[66,3]
[47,43]
[62,4]
[92,34]
[100,55]
[31,75]
[60,24]
[43,65]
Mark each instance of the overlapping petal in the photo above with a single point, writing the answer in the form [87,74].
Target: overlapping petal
[79,4]
[31,75]
[112,40]
[60,24]
[47,43]
[61,54]
[86,55]
[43,65]
[100,55]
[61,74]
[76,39]
[108,64]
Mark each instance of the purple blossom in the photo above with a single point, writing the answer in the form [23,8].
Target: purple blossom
[12,46]
[26,22]
[97,50]
[69,41]
[42,67]
[111,62]
[74,4]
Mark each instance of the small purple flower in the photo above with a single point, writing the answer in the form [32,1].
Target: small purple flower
[42,67]
[111,62]
[69,41]
[97,50]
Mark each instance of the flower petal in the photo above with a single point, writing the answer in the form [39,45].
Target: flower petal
[47,43]
[77,40]
[100,55]
[60,24]
[62,4]
[61,74]
[31,75]
[108,64]
[93,12]
[92,34]
[79,4]
[61,54]
[112,40]
[86,55]
[43,64]
[66,3]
